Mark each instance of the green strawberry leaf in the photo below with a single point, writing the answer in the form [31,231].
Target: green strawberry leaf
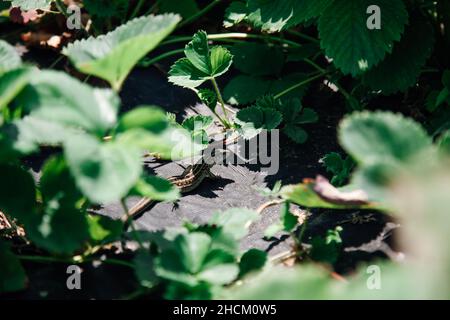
[347,40]
[9,58]
[113,56]
[12,277]
[104,172]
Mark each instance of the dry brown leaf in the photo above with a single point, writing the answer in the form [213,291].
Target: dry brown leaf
[331,194]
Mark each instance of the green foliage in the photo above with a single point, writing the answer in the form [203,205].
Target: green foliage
[31,4]
[11,83]
[257,59]
[268,113]
[273,16]
[104,172]
[196,261]
[403,65]
[287,222]
[327,248]
[12,277]
[185,8]
[156,188]
[104,9]
[201,63]
[18,196]
[9,58]
[198,125]
[343,25]
[382,137]
[113,56]
[339,167]
[251,261]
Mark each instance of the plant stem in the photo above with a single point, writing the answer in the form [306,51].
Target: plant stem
[234,35]
[61,8]
[137,9]
[149,62]
[131,222]
[303,36]
[199,14]
[301,83]
[44,259]
[222,103]
[153,7]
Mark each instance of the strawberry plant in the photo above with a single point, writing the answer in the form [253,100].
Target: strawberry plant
[94,99]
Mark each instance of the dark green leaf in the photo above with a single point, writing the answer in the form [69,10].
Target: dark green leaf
[257,59]
[403,66]
[12,277]
[346,38]
[253,260]
[17,193]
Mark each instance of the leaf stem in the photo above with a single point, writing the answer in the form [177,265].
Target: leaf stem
[130,221]
[234,35]
[148,62]
[226,122]
[45,259]
[137,9]
[61,8]
[303,36]
[301,83]
[199,14]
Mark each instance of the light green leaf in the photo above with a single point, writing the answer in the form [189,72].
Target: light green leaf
[184,74]
[347,40]
[103,229]
[173,143]
[192,250]
[235,221]
[382,137]
[12,277]
[12,83]
[198,122]
[235,13]
[150,118]
[201,63]
[113,56]
[104,172]
[144,269]
[156,188]
[27,5]
[9,58]
[197,52]
[276,15]
[221,60]
[58,98]
[220,274]
[406,61]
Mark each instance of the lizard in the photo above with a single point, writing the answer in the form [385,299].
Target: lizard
[189,180]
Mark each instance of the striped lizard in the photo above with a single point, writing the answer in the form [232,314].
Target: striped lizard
[189,180]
